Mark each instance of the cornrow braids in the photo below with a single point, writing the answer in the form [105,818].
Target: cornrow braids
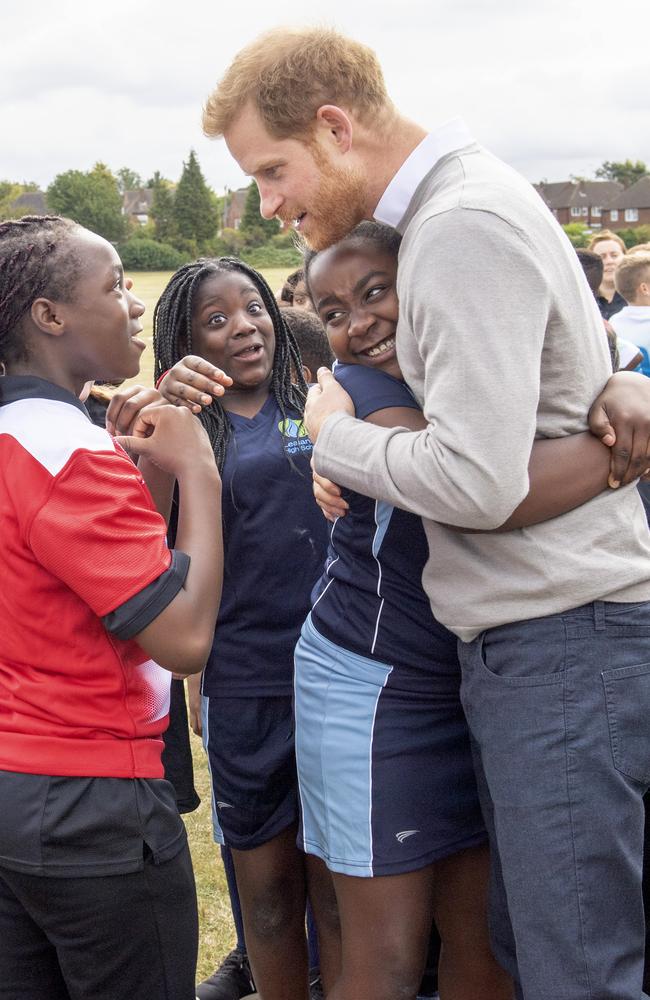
[35,259]
[172,340]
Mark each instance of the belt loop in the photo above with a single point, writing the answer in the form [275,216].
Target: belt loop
[599,616]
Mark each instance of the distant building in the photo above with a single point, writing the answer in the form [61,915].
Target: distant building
[136,205]
[29,203]
[234,208]
[580,201]
[630,207]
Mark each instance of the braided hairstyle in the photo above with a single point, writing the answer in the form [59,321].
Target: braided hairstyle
[36,259]
[172,340]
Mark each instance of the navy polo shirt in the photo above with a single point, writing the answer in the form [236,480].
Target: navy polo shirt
[275,541]
[370,598]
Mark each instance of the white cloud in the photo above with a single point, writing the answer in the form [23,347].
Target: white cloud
[553,87]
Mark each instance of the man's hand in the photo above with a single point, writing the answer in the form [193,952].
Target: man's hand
[323,400]
[620,417]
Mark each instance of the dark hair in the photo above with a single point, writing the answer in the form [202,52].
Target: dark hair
[383,237]
[309,334]
[289,287]
[35,259]
[172,339]
[592,264]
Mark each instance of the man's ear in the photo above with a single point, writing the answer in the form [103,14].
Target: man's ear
[45,316]
[335,121]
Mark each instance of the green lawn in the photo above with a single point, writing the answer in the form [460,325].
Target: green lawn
[216,932]
[148,285]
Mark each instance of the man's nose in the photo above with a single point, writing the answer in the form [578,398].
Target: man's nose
[269,204]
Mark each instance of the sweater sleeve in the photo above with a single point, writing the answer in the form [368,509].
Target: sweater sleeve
[475,307]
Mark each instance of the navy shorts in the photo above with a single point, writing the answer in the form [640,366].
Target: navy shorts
[251,757]
[385,773]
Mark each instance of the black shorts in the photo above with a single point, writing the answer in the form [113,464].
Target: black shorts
[249,743]
[133,935]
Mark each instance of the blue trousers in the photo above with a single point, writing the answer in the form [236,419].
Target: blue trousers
[559,709]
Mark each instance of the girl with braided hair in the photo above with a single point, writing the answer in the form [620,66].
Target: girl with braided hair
[97,894]
[220,315]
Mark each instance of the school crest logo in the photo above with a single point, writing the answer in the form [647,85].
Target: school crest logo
[295,434]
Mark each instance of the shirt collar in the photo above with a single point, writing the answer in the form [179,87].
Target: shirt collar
[396,198]
[15,387]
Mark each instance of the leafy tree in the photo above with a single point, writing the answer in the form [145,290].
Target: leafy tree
[631,237]
[9,191]
[578,233]
[162,209]
[195,212]
[255,229]
[128,180]
[91,198]
[626,173]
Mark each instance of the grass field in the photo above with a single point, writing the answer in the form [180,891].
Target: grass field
[148,285]
[216,933]
[216,929]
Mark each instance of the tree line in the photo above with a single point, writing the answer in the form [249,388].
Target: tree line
[185,219]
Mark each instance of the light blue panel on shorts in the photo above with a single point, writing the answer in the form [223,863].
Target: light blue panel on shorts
[217,832]
[336,698]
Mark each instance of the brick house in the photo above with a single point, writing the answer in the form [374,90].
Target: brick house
[136,205]
[630,207]
[234,208]
[580,201]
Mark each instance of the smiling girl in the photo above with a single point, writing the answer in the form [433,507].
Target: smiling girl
[220,315]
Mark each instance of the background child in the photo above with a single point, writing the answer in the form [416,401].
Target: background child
[294,292]
[221,315]
[632,322]
[310,336]
[96,886]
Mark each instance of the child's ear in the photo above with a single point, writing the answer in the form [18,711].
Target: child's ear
[44,314]
[309,378]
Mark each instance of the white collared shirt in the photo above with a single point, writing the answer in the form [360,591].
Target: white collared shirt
[396,198]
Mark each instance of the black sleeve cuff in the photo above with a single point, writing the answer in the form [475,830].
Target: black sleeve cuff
[141,609]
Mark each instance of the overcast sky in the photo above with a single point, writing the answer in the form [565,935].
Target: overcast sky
[554,87]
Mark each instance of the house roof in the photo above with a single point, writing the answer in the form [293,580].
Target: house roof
[571,194]
[137,202]
[29,203]
[636,196]
[238,198]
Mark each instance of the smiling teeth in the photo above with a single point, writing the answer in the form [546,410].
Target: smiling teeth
[381,348]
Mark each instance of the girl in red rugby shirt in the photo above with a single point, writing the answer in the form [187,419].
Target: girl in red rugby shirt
[96,888]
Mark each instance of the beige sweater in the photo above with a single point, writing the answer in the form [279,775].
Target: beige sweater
[501,341]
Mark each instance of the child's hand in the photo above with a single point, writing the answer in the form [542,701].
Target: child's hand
[125,406]
[193,382]
[171,439]
[620,417]
[328,497]
[323,400]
